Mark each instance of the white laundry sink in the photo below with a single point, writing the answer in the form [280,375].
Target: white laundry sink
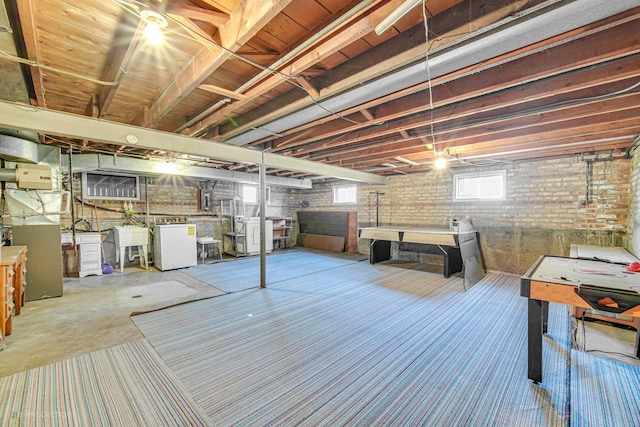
[128,236]
[131,236]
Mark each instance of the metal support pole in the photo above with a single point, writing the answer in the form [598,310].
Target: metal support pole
[378,194]
[263,224]
[73,202]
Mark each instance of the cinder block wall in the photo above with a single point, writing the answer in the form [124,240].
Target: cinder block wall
[549,205]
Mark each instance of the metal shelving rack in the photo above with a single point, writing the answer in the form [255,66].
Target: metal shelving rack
[233,236]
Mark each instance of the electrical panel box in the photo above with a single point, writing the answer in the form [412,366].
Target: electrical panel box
[206,197]
[34,177]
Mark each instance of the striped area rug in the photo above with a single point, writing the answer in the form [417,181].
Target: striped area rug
[244,273]
[604,392]
[365,345]
[126,385]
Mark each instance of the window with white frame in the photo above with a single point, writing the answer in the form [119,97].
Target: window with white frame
[345,193]
[480,186]
[250,194]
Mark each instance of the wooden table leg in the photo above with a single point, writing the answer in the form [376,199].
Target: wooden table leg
[535,322]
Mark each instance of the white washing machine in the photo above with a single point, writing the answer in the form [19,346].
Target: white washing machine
[174,246]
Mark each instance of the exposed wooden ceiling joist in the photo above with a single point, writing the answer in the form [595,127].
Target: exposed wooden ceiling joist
[309,81]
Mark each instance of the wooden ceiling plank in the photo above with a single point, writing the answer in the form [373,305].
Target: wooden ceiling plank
[476,85]
[223,6]
[244,22]
[549,88]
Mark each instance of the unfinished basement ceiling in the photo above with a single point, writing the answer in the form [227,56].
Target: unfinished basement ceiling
[312,80]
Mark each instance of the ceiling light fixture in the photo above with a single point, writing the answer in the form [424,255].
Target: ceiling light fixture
[155,22]
[394,16]
[441,161]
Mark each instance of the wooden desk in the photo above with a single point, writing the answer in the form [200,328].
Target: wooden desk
[577,282]
[14,261]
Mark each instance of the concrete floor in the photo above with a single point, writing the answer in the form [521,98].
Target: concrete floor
[94,312]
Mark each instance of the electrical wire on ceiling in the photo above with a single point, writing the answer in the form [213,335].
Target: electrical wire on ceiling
[35,64]
[427,66]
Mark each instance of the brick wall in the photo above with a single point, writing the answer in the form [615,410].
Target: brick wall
[548,207]
[633,223]
[170,199]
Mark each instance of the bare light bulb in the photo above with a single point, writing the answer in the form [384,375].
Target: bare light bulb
[152,32]
[155,23]
[441,162]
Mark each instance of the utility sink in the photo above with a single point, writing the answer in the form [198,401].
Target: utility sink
[126,236]
[131,236]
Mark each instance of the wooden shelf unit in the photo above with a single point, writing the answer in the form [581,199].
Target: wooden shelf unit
[282,231]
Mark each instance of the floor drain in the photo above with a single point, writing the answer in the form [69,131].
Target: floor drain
[137,296]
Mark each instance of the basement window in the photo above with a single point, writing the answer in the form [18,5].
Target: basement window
[345,194]
[480,186]
[250,194]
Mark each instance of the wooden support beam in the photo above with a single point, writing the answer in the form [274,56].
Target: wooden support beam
[306,85]
[367,114]
[599,70]
[120,57]
[222,91]
[199,14]
[27,20]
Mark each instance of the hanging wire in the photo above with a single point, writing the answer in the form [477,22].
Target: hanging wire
[429,84]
